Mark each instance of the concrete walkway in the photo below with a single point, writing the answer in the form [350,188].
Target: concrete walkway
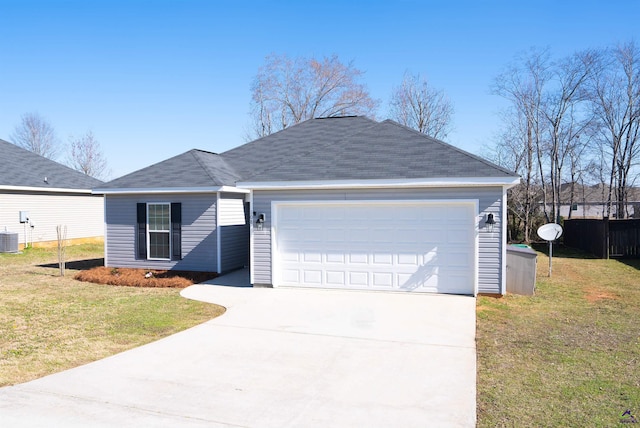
[277,358]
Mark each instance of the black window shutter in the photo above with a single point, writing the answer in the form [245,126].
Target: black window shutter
[176,231]
[141,231]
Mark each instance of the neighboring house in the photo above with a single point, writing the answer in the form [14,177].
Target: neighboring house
[346,203]
[38,194]
[589,201]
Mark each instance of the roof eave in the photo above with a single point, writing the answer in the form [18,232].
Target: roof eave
[44,189]
[378,183]
[160,190]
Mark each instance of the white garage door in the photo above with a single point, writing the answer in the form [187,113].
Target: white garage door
[401,245]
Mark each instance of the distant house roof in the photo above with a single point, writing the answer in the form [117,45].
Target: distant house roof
[192,169]
[22,169]
[594,194]
[340,148]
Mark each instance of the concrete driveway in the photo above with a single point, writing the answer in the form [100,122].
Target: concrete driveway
[277,358]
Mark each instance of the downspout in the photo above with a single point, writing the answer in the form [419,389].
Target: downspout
[104,230]
[503,243]
[218,238]
[251,256]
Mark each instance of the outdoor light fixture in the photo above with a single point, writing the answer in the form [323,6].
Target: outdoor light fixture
[490,222]
[260,221]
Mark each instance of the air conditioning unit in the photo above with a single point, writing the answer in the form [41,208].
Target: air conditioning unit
[8,242]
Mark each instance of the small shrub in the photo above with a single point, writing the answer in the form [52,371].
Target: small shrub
[143,277]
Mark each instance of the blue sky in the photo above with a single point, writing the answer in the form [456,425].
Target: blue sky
[153,79]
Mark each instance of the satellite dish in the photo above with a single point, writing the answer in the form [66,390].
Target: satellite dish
[550,231]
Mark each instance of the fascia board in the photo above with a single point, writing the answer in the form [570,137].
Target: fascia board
[418,182]
[150,190]
[45,189]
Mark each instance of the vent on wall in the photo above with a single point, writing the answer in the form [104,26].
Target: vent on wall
[8,242]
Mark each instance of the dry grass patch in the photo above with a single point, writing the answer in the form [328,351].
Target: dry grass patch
[50,323]
[568,356]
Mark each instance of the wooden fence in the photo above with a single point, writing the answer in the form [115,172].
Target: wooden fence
[604,238]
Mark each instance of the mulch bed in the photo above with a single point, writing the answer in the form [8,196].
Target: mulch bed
[143,277]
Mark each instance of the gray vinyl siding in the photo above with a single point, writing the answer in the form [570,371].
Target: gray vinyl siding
[234,238]
[199,245]
[82,214]
[489,201]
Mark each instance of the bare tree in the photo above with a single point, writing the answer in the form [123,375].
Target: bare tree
[565,119]
[35,134]
[523,84]
[422,107]
[288,91]
[615,96]
[85,155]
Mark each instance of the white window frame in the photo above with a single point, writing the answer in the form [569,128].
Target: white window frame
[149,231]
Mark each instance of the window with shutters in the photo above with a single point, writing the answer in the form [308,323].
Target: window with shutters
[159,231]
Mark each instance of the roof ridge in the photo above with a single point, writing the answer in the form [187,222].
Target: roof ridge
[316,147]
[459,150]
[202,165]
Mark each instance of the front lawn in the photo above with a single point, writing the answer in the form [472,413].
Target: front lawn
[50,323]
[568,356]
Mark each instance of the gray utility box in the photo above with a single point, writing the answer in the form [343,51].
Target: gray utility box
[8,242]
[521,270]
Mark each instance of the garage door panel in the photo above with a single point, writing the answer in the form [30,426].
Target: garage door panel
[419,282]
[335,214]
[358,234]
[358,258]
[383,259]
[312,257]
[457,213]
[382,279]
[459,259]
[311,213]
[457,236]
[290,257]
[335,278]
[335,257]
[291,276]
[408,259]
[424,247]
[381,234]
[334,234]
[312,277]
[358,279]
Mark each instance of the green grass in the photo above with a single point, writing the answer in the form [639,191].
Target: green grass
[568,356]
[50,323]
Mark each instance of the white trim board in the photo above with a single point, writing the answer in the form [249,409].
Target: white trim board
[417,182]
[153,190]
[45,189]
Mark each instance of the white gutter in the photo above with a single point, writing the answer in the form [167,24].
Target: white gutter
[414,182]
[158,190]
[45,189]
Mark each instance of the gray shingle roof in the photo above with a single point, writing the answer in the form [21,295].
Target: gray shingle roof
[297,141]
[192,169]
[340,148]
[22,168]
[356,149]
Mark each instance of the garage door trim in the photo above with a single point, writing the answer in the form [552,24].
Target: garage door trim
[276,272]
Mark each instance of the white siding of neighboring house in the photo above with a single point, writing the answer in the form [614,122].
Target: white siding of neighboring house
[82,214]
[489,201]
